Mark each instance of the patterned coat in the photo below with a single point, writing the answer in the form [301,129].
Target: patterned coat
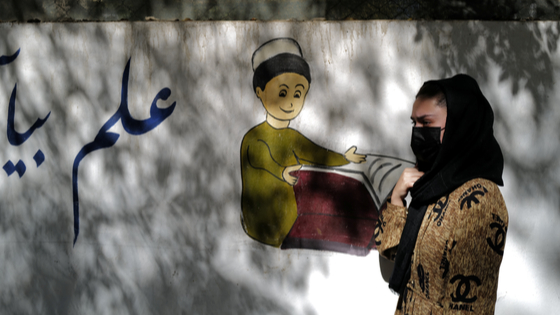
[458,251]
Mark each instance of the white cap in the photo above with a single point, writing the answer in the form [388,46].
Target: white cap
[275,47]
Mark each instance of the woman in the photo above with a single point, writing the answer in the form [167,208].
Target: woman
[448,245]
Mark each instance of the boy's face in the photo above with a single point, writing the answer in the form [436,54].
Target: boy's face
[284,95]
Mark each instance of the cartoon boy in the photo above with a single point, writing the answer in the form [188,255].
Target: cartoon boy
[271,150]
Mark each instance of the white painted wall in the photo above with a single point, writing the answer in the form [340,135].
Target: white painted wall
[160,230]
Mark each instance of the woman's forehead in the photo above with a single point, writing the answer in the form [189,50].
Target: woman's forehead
[424,107]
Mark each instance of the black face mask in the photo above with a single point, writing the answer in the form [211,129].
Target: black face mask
[425,145]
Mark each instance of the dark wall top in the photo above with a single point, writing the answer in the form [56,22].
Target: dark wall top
[140,10]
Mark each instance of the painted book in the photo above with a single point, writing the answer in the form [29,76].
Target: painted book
[339,207]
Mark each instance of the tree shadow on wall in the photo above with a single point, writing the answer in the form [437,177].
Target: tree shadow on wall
[162,243]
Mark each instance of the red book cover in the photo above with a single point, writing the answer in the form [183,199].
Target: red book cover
[339,207]
[335,212]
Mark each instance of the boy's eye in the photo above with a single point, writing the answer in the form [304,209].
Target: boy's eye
[297,94]
[282,93]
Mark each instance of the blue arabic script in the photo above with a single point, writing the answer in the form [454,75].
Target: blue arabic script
[4,60]
[15,138]
[106,139]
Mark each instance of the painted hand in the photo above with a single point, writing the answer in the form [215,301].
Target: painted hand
[292,180]
[351,156]
[408,177]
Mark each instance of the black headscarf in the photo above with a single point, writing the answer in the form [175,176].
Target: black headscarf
[468,151]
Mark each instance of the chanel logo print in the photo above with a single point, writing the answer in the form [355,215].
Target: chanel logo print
[463,289]
[444,264]
[498,242]
[420,271]
[424,280]
[440,208]
[379,229]
[472,193]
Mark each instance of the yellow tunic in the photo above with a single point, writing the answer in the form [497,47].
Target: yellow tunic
[458,251]
[267,201]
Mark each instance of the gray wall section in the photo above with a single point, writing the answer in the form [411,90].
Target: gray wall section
[160,230]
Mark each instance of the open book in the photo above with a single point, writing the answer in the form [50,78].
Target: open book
[338,207]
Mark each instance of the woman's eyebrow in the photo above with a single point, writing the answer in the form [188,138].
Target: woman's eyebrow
[421,117]
[300,85]
[284,85]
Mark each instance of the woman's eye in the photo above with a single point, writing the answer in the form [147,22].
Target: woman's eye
[297,94]
[282,93]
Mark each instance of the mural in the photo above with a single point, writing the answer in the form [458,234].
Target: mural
[297,194]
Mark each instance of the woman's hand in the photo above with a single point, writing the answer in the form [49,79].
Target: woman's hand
[291,180]
[351,156]
[408,177]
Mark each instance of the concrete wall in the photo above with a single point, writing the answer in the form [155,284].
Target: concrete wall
[159,212]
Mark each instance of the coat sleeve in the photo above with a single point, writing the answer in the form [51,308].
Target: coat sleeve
[475,250]
[388,230]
